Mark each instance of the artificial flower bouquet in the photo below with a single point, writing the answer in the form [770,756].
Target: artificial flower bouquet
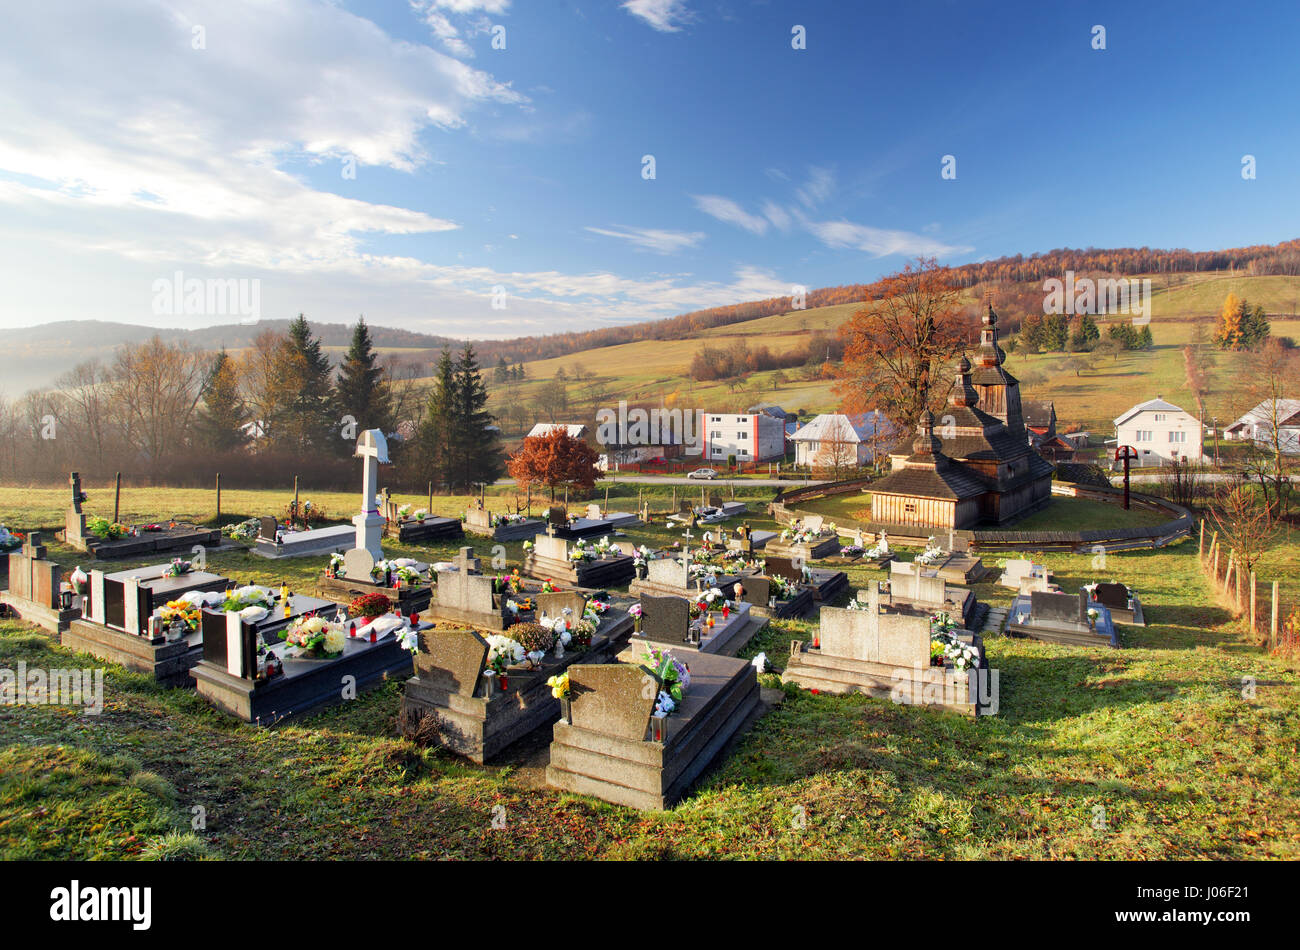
[503,653]
[550,587]
[505,520]
[673,677]
[315,636]
[243,530]
[560,688]
[250,595]
[9,540]
[946,646]
[105,529]
[179,611]
[177,568]
[370,606]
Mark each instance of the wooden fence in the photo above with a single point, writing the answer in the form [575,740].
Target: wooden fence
[1272,622]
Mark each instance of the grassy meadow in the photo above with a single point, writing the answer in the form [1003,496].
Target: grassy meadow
[1158,739]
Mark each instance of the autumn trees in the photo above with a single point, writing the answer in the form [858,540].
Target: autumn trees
[1240,326]
[900,341]
[555,460]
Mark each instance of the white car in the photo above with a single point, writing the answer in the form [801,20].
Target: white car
[703,473]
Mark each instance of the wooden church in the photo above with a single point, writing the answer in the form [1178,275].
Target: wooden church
[975,468]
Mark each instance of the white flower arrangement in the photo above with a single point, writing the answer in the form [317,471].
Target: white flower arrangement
[409,639]
[403,511]
[507,650]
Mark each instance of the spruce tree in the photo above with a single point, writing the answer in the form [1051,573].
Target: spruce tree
[311,417]
[477,454]
[437,429]
[220,421]
[361,392]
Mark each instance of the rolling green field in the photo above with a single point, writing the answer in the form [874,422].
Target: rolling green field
[1158,735]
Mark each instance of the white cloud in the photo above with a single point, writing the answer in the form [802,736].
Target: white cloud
[879,241]
[729,212]
[447,33]
[666,16]
[779,217]
[662,242]
[818,187]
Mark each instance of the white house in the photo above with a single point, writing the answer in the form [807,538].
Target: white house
[576,431]
[748,436]
[1257,425]
[830,437]
[1160,432]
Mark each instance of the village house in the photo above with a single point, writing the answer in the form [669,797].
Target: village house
[1159,432]
[1257,425]
[836,439]
[1040,426]
[746,437]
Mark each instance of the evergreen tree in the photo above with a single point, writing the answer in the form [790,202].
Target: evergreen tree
[437,430]
[1254,325]
[1144,341]
[476,454]
[361,392]
[309,419]
[1084,334]
[220,421]
[502,373]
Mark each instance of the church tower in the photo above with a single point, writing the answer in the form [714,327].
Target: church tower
[999,391]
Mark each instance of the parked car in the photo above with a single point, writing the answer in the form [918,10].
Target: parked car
[703,473]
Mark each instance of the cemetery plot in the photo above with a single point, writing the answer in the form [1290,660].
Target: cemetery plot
[1062,618]
[1018,570]
[1123,603]
[593,565]
[107,540]
[747,540]
[737,578]
[275,541]
[561,524]
[912,585]
[503,526]
[404,580]
[412,526]
[35,589]
[146,619]
[296,661]
[826,584]
[708,623]
[612,746]
[617,519]
[807,539]
[476,695]
[900,656]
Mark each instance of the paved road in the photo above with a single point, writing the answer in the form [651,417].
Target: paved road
[682,480]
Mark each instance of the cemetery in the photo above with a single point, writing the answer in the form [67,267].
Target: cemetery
[297,658]
[416,526]
[505,526]
[105,539]
[807,539]
[34,589]
[1054,617]
[1122,603]
[904,657]
[620,741]
[146,618]
[688,574]
[582,563]
[275,541]
[561,524]
[825,583]
[707,623]
[1017,570]
[749,540]
[912,585]
[476,695]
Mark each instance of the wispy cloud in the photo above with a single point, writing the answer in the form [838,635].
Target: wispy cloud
[729,212]
[880,241]
[666,16]
[659,241]
[818,187]
[437,15]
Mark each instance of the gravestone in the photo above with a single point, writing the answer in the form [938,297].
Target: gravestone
[908,581]
[665,619]
[668,571]
[1112,595]
[814,523]
[465,589]
[594,512]
[557,517]
[869,635]
[616,699]
[1016,569]
[1032,583]
[74,521]
[1059,608]
[784,568]
[268,528]
[357,564]
[478,517]
[453,660]
[757,590]
[372,448]
[553,604]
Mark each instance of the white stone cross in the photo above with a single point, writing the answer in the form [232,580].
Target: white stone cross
[373,447]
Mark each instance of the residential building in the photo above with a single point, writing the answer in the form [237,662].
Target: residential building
[748,437]
[835,440]
[1160,432]
[1257,425]
[575,430]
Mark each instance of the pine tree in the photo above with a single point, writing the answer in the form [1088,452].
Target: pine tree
[476,455]
[1144,341]
[1254,325]
[502,373]
[361,392]
[220,421]
[309,419]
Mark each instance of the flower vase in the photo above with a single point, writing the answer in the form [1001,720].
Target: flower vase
[489,683]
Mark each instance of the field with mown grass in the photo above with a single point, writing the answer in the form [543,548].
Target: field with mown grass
[1158,735]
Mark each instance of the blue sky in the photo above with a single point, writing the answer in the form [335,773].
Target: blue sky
[212,139]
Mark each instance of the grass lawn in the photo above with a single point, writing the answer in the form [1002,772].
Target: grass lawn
[1157,734]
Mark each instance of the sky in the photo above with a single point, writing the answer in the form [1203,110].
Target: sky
[488,168]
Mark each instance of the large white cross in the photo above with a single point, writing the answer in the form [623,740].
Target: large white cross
[373,448]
